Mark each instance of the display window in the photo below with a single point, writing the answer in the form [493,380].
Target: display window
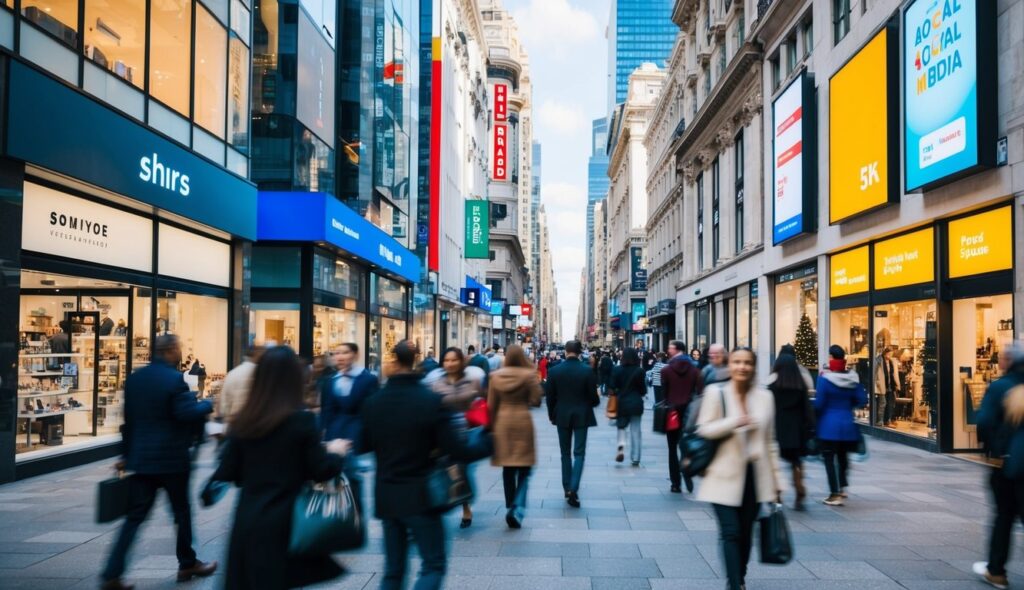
[385,333]
[57,17]
[275,324]
[904,392]
[338,276]
[796,315]
[388,297]
[982,328]
[333,327]
[851,329]
[201,322]
[115,36]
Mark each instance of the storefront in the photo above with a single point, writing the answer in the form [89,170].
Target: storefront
[322,276]
[728,318]
[796,313]
[113,236]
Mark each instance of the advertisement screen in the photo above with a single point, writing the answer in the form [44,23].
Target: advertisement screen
[314,95]
[940,89]
[859,154]
[788,162]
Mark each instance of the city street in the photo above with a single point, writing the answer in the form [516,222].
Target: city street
[913,520]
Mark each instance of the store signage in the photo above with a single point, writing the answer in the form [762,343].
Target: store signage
[981,243]
[639,310]
[319,217]
[863,159]
[478,228]
[483,300]
[905,260]
[62,130]
[637,272]
[515,310]
[948,89]
[181,252]
[793,165]
[850,271]
[470,297]
[526,309]
[500,152]
[500,102]
[60,224]
[497,322]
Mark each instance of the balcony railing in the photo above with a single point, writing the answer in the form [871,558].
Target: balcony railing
[763,6]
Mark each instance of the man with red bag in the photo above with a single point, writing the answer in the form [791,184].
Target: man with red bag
[681,382]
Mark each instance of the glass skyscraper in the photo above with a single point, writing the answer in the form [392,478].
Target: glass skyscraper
[638,31]
[597,188]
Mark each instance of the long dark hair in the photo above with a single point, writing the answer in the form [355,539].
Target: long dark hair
[277,388]
[787,374]
[459,355]
[515,356]
[630,357]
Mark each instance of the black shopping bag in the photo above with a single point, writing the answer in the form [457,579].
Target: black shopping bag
[112,498]
[776,541]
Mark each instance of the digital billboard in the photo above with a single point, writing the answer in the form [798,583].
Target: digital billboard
[863,159]
[949,114]
[314,95]
[793,133]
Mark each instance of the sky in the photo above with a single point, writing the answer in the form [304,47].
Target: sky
[568,65]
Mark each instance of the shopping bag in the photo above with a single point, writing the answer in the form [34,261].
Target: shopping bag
[112,497]
[661,412]
[326,520]
[612,409]
[447,486]
[673,421]
[776,541]
[479,413]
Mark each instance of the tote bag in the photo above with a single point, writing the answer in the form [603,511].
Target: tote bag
[325,521]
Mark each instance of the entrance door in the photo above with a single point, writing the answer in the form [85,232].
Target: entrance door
[83,378]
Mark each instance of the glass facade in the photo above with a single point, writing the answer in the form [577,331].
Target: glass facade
[643,32]
[597,186]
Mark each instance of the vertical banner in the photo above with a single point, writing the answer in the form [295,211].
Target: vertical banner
[478,229]
[436,95]
[500,102]
[793,133]
[637,272]
[500,151]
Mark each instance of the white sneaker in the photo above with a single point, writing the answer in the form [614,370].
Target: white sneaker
[981,568]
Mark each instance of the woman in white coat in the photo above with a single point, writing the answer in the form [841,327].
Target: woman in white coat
[745,470]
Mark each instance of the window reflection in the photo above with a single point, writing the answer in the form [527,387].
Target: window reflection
[238,95]
[170,53]
[115,33]
[57,17]
[211,72]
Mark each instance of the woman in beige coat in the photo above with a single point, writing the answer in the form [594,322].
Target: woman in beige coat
[512,390]
[745,470]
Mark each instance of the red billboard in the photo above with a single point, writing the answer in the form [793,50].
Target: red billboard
[527,309]
[500,151]
[500,102]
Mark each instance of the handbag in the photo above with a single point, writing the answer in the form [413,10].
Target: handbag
[612,409]
[213,491]
[479,413]
[112,498]
[447,486]
[325,521]
[661,412]
[860,450]
[776,541]
[697,451]
[673,421]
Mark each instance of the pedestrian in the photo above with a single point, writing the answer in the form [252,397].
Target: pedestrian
[273,450]
[160,420]
[237,385]
[794,419]
[342,395]
[513,390]
[542,367]
[429,363]
[682,384]
[996,429]
[695,356]
[571,394]
[654,376]
[745,468]
[716,369]
[605,371]
[478,360]
[839,392]
[887,383]
[496,360]
[459,385]
[403,425]
[629,388]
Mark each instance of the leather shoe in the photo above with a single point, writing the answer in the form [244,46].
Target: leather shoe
[573,500]
[199,569]
[116,584]
[676,490]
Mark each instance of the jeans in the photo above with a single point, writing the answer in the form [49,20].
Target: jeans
[880,408]
[515,480]
[890,406]
[834,455]
[674,473]
[634,438]
[736,531]
[141,496]
[572,442]
[428,532]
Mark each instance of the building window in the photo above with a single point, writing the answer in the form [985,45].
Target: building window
[211,72]
[776,71]
[707,82]
[115,31]
[700,221]
[170,53]
[740,162]
[791,55]
[57,17]
[716,249]
[238,95]
[808,36]
[840,19]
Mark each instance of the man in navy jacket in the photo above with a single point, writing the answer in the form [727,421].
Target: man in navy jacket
[342,394]
[161,420]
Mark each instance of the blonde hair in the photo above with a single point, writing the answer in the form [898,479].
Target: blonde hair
[1013,404]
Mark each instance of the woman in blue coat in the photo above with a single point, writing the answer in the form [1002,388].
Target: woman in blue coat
[839,392]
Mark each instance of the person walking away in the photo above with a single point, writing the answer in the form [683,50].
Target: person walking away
[480,361]
[513,390]
[745,469]
[272,451]
[458,385]
[160,420]
[654,377]
[605,371]
[717,368]
[887,383]
[996,430]
[429,363]
[342,395]
[571,393]
[403,424]
[542,367]
[682,383]
[496,360]
[237,385]
[629,387]
[839,392]
[794,419]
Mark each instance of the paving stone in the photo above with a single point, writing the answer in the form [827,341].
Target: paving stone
[611,567]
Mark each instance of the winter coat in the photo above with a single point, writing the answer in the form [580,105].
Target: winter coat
[339,413]
[571,394]
[628,386]
[681,381]
[712,374]
[511,394]
[837,395]
[794,417]
[458,396]
[993,431]
[605,366]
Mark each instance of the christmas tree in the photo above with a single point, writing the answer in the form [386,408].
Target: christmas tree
[806,344]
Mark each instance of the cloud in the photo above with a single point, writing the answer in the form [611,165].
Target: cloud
[561,118]
[562,196]
[555,24]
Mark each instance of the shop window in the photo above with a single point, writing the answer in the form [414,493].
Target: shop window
[238,95]
[275,324]
[850,329]
[904,370]
[210,72]
[796,318]
[201,322]
[57,17]
[276,267]
[385,333]
[115,34]
[170,53]
[142,324]
[337,275]
[982,328]
[388,296]
[333,327]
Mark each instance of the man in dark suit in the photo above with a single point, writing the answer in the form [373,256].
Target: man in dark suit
[342,395]
[403,425]
[161,416]
[571,391]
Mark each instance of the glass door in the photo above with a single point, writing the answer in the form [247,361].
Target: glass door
[113,327]
[80,374]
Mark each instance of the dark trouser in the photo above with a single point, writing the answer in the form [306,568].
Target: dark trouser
[515,480]
[736,530]
[1005,494]
[834,455]
[880,408]
[659,394]
[141,496]
[572,442]
[890,406]
[428,532]
[674,473]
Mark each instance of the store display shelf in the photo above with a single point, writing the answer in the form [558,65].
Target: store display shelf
[41,393]
[43,374]
[90,337]
[50,355]
[45,414]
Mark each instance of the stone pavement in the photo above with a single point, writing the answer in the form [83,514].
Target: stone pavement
[914,520]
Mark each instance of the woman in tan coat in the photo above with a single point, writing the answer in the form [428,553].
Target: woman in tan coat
[745,470]
[513,389]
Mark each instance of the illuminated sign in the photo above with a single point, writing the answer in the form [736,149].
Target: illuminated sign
[905,260]
[949,100]
[981,243]
[500,102]
[849,272]
[526,309]
[500,151]
[863,170]
[478,228]
[793,210]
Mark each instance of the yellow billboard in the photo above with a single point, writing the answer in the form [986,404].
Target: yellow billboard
[906,260]
[981,243]
[859,133]
[849,271]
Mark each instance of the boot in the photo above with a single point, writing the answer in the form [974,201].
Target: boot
[798,485]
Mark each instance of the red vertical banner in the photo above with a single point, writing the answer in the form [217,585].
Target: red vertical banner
[500,151]
[434,243]
[501,102]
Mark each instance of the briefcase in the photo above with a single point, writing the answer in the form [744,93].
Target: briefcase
[112,498]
